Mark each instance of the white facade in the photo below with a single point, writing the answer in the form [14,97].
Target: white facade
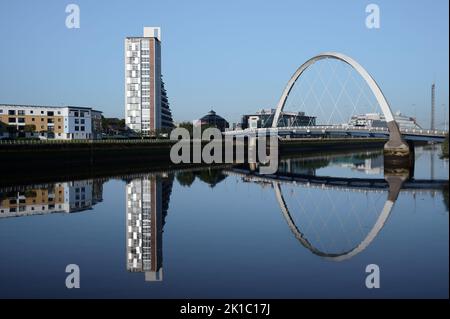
[77,123]
[143,81]
[65,122]
[378,120]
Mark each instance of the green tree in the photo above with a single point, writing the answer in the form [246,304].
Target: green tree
[29,128]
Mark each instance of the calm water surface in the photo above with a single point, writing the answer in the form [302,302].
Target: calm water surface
[231,234]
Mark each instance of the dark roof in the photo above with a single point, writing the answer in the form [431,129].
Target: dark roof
[212,115]
[51,106]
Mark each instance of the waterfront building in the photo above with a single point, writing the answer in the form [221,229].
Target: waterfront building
[52,122]
[264,118]
[213,120]
[146,208]
[147,108]
[377,120]
[68,197]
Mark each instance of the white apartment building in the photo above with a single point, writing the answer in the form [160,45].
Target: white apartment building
[146,104]
[53,122]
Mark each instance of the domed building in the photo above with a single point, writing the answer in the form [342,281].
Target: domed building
[212,119]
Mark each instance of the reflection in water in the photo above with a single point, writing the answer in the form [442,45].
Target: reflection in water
[147,204]
[212,177]
[333,217]
[337,217]
[67,197]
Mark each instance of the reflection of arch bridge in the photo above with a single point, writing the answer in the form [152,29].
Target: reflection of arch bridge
[343,183]
[391,184]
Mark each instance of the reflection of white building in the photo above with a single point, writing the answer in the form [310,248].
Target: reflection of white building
[378,120]
[369,166]
[147,203]
[67,197]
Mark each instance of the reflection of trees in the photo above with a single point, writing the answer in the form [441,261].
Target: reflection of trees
[445,195]
[212,177]
[186,178]
[319,163]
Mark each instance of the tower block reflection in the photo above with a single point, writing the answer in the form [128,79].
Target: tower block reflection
[147,204]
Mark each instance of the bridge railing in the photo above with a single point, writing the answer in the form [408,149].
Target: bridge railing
[106,141]
[346,128]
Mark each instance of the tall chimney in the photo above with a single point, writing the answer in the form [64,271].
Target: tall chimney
[433,102]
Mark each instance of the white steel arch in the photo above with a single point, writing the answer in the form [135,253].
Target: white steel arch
[394,131]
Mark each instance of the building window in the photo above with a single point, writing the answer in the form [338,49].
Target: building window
[21,120]
[77,128]
[59,112]
[42,119]
[77,121]
[75,114]
[49,120]
[59,120]
[82,128]
[1,111]
[42,112]
[31,112]
[32,119]
[21,112]
[59,127]
[11,120]
[82,121]
[50,113]
[11,112]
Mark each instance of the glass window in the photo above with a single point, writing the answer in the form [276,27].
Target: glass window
[21,120]
[77,128]
[82,121]
[21,112]
[12,112]
[11,120]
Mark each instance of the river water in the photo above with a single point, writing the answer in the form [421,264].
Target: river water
[309,232]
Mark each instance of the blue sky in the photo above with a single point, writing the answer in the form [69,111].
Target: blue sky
[232,56]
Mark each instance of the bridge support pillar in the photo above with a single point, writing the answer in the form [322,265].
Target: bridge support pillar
[396,151]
